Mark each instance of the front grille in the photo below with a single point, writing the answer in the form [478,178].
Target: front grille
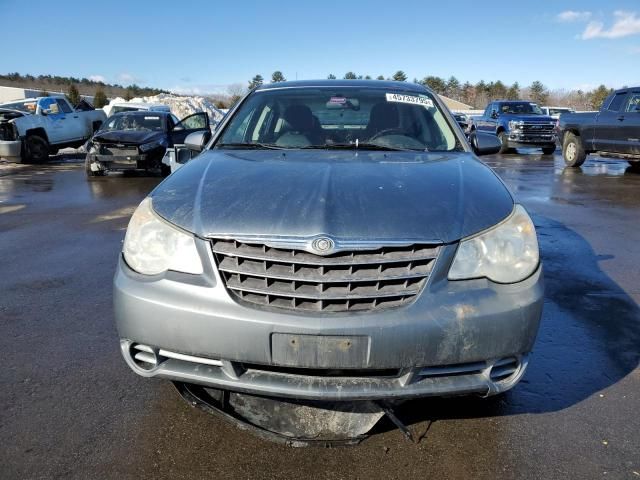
[538,128]
[323,372]
[126,151]
[345,281]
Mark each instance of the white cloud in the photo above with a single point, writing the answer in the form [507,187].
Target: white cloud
[97,78]
[624,25]
[573,16]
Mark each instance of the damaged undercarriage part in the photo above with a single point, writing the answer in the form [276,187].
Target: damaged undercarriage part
[292,422]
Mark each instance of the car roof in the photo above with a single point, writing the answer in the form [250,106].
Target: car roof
[392,85]
[142,112]
[138,104]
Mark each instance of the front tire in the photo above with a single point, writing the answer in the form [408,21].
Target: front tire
[36,149]
[548,150]
[504,140]
[87,169]
[573,150]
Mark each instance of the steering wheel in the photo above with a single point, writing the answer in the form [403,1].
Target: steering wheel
[388,131]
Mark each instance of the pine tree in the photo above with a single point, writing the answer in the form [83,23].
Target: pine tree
[497,90]
[380,77]
[350,76]
[481,94]
[99,99]
[514,92]
[598,96]
[453,88]
[331,77]
[367,77]
[538,93]
[436,84]
[399,76]
[277,76]
[73,95]
[255,82]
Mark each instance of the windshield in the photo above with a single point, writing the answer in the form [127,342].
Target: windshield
[27,106]
[339,117]
[521,108]
[134,121]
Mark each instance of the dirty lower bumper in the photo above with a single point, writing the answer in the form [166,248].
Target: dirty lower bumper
[10,150]
[456,338]
[122,162]
[525,140]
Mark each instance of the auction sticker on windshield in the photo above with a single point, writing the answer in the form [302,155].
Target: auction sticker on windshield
[413,99]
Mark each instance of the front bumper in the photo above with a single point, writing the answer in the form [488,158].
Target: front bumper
[123,162]
[451,340]
[11,150]
[528,140]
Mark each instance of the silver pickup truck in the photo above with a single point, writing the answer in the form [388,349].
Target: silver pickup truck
[34,128]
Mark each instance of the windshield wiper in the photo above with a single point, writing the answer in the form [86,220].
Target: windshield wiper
[362,146]
[252,146]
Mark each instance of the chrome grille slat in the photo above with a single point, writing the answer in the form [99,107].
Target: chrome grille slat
[321,291]
[353,257]
[345,273]
[354,280]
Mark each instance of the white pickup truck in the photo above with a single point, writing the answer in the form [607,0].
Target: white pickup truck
[34,128]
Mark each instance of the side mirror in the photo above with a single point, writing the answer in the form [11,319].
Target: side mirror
[44,112]
[494,114]
[197,140]
[485,143]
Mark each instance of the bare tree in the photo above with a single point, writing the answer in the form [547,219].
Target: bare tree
[236,91]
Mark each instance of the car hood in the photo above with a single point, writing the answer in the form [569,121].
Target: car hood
[527,118]
[10,114]
[129,137]
[422,197]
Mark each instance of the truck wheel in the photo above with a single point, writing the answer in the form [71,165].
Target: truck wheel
[548,150]
[504,140]
[573,151]
[90,173]
[36,149]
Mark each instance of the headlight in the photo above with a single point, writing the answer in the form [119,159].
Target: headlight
[515,125]
[145,147]
[507,253]
[152,246]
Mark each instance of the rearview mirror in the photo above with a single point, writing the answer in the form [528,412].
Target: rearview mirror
[197,140]
[485,143]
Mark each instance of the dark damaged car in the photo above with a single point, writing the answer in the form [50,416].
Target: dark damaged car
[138,140]
[335,241]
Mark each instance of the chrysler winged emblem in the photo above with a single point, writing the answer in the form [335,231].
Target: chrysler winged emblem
[322,246]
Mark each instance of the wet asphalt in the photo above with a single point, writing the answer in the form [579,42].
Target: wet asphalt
[71,408]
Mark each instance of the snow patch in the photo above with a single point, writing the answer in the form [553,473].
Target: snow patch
[181,106]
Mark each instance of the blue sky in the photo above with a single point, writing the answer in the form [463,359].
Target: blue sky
[203,46]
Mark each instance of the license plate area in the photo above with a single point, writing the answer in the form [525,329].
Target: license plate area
[319,351]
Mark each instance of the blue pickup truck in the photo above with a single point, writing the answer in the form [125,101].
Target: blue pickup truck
[519,124]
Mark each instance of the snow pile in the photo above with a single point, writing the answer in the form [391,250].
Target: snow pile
[180,106]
